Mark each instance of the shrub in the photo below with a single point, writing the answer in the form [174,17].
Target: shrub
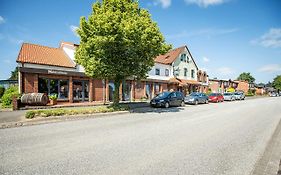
[30,114]
[8,96]
[60,112]
[53,96]
[2,90]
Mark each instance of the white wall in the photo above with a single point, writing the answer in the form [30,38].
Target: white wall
[162,68]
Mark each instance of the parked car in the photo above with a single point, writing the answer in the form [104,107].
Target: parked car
[239,95]
[196,98]
[216,97]
[229,96]
[273,94]
[167,99]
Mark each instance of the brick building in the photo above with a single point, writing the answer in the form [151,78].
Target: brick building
[53,71]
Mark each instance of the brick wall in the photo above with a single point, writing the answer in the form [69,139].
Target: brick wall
[214,86]
[98,90]
[30,82]
[243,86]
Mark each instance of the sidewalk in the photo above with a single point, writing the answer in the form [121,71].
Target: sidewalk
[17,118]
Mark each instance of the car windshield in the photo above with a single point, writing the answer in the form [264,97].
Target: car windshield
[236,93]
[227,94]
[213,94]
[194,94]
[163,95]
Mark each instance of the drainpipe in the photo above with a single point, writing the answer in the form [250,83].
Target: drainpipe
[103,91]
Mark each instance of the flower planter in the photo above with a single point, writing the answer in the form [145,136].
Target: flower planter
[53,102]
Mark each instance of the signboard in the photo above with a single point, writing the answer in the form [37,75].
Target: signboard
[57,72]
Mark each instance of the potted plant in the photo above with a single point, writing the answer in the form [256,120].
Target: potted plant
[53,99]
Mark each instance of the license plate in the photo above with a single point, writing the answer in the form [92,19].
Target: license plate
[153,103]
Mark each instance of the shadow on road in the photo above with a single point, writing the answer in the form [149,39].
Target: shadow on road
[156,110]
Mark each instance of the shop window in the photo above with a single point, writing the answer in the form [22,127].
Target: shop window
[156,88]
[53,86]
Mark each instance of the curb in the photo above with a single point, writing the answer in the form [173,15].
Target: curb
[270,162]
[55,119]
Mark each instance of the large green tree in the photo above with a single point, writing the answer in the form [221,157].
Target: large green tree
[277,82]
[118,40]
[247,77]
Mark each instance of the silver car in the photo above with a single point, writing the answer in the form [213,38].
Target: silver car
[229,96]
[239,95]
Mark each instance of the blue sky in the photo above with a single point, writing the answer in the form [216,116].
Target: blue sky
[226,37]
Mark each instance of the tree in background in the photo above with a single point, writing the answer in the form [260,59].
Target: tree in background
[14,74]
[119,40]
[277,82]
[246,76]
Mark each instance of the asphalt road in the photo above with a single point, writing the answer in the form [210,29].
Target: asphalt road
[225,138]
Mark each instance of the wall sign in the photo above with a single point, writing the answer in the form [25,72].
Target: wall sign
[57,72]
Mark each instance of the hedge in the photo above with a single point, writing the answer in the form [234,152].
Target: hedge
[61,112]
[8,95]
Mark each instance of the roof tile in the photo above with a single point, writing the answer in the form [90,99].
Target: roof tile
[36,54]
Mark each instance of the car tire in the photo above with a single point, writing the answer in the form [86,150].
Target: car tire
[196,102]
[167,105]
[182,104]
[217,101]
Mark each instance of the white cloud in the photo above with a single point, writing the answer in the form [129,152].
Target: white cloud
[225,70]
[73,28]
[2,20]
[270,39]
[270,68]
[209,32]
[163,3]
[206,60]
[205,3]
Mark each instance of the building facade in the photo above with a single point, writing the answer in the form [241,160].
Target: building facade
[53,71]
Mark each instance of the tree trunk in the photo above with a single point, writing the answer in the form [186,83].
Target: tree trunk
[116,98]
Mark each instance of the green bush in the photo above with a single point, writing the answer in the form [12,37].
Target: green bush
[53,96]
[2,90]
[30,114]
[8,96]
[60,112]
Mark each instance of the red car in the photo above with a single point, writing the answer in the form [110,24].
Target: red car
[216,97]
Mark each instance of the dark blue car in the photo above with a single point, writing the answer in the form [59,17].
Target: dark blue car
[167,99]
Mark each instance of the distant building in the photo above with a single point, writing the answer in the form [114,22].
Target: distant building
[221,86]
[7,83]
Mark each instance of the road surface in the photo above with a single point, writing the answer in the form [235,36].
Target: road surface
[223,138]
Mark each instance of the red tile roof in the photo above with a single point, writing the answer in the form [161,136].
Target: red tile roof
[172,55]
[169,57]
[36,54]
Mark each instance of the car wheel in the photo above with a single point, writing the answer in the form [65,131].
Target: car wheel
[207,101]
[182,104]
[196,102]
[167,105]
[217,101]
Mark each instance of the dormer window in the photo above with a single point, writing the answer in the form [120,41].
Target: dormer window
[183,57]
[167,72]
[157,71]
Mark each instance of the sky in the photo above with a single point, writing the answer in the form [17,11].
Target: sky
[225,37]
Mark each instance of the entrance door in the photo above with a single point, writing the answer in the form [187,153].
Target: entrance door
[80,90]
[111,89]
[126,91]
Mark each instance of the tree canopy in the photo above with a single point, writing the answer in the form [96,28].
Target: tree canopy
[277,82]
[119,40]
[14,74]
[246,76]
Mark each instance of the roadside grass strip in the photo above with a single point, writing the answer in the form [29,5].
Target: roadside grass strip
[62,112]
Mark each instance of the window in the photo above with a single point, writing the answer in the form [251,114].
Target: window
[167,72]
[183,57]
[157,71]
[53,86]
[156,88]
[192,73]
[185,72]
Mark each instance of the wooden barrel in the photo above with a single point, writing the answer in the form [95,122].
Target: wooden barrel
[34,99]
